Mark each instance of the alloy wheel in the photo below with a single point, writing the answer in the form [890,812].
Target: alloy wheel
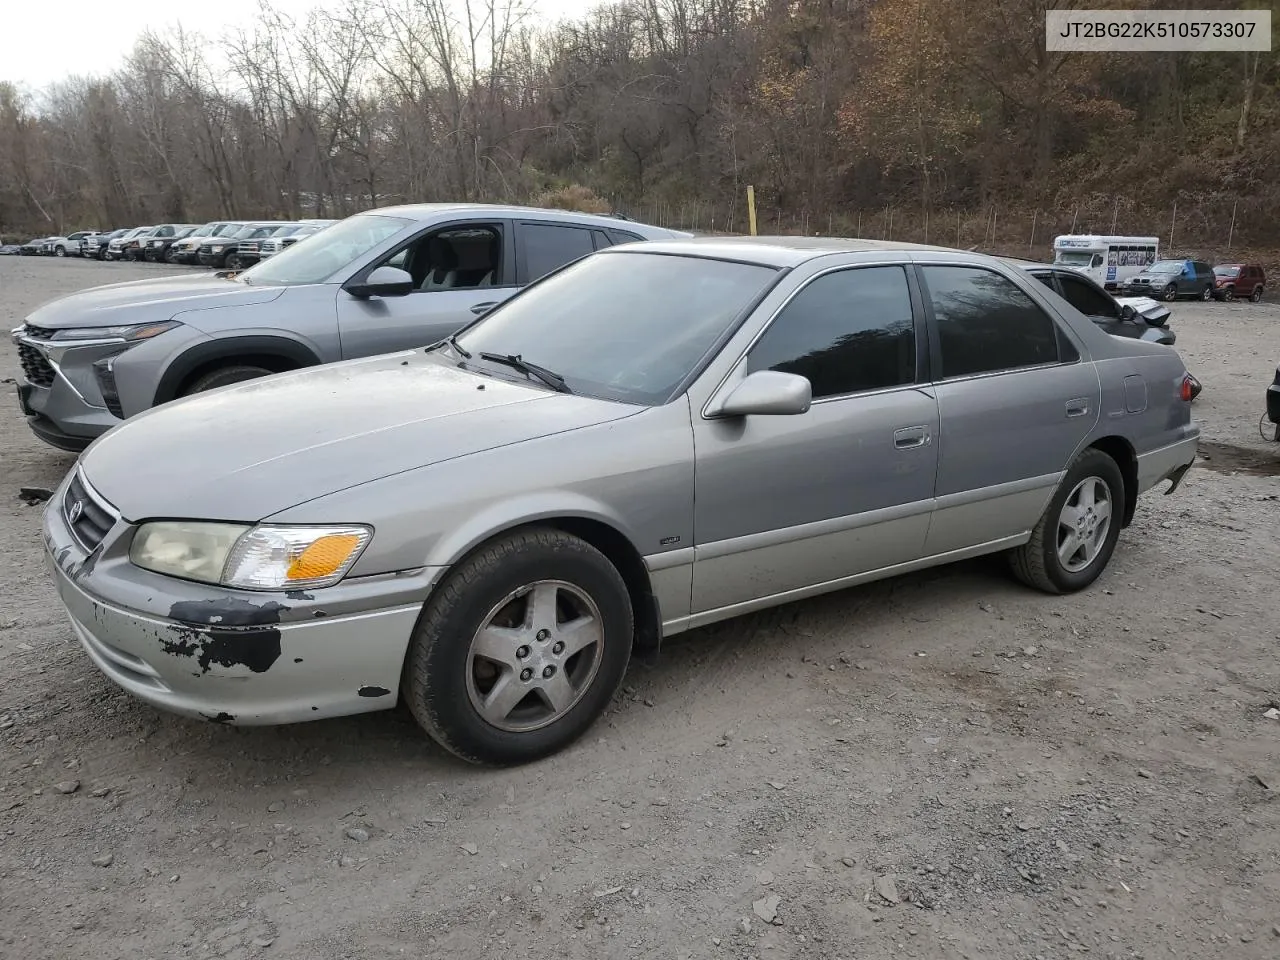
[534,656]
[1083,524]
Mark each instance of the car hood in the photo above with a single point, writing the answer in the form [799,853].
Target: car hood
[147,301]
[248,451]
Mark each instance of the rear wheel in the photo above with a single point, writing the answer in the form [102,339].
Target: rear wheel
[520,649]
[59,251]
[1207,293]
[1171,292]
[1256,295]
[225,376]
[1074,539]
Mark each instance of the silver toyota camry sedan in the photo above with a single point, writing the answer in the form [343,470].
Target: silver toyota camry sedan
[653,438]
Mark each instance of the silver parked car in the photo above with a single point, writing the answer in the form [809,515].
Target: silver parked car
[378,281]
[653,438]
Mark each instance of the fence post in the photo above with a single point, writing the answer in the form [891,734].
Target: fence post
[1232,231]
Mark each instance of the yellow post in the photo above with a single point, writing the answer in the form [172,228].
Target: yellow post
[751,208]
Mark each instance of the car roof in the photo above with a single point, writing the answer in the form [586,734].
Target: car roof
[426,211]
[783,251]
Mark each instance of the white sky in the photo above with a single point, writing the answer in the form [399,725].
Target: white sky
[46,40]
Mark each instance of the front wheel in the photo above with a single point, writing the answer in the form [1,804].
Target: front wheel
[1207,293]
[1171,292]
[225,376]
[1074,539]
[520,649]
[1228,294]
[231,263]
[59,251]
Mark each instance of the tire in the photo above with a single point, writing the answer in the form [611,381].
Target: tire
[225,376]
[59,251]
[232,262]
[1038,562]
[168,256]
[1207,293]
[1228,294]
[446,681]
[1256,296]
[1170,293]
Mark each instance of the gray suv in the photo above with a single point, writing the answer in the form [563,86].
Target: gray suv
[379,281]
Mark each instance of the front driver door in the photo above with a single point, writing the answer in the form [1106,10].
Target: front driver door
[460,270]
[785,503]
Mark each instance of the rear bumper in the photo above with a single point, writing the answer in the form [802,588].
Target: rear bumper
[1169,462]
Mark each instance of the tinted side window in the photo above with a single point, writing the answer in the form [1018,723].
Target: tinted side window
[623,236]
[545,247]
[986,324]
[846,332]
[1089,300]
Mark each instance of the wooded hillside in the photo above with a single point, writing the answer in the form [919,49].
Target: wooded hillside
[873,116]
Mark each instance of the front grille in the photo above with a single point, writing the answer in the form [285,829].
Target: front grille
[206,248]
[35,365]
[92,520]
[247,246]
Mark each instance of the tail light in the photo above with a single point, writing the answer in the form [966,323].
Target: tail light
[1187,391]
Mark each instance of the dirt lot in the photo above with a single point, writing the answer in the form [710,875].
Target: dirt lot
[1028,776]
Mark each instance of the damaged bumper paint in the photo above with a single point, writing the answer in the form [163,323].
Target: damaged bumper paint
[242,659]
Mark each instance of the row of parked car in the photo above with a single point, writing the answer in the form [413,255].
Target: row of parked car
[1174,279]
[222,244]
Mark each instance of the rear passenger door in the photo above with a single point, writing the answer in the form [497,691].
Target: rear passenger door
[1014,401]
[543,246]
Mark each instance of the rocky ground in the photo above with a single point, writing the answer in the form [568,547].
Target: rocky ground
[942,765]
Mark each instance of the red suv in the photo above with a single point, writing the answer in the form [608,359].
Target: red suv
[1231,280]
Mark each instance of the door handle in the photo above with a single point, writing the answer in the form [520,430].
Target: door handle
[1078,407]
[480,308]
[904,438]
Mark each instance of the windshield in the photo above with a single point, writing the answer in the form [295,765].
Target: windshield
[330,251]
[1226,271]
[1073,258]
[619,326]
[1165,266]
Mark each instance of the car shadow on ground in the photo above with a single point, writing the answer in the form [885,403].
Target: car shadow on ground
[820,628]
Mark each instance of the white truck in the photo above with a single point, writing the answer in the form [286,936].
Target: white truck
[1108,260]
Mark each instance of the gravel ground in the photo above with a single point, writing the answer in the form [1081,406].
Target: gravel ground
[942,765]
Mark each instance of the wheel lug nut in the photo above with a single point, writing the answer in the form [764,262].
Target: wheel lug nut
[543,634]
[522,652]
[558,648]
[526,673]
[548,672]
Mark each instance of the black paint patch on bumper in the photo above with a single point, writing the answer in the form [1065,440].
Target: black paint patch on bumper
[373,691]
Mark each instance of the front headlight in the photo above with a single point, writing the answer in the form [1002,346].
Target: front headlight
[215,247]
[132,332]
[249,558]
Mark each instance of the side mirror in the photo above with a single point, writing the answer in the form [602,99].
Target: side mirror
[768,392]
[382,282]
[1127,312]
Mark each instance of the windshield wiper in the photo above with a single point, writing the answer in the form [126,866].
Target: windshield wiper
[452,341]
[549,377]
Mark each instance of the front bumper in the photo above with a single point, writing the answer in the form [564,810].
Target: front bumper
[284,661]
[1170,462]
[212,259]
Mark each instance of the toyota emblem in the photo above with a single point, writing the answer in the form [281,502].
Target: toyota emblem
[76,511]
